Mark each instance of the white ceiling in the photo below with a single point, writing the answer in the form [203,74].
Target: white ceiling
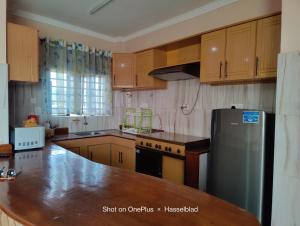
[120,18]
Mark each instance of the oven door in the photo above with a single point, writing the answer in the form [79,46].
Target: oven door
[148,161]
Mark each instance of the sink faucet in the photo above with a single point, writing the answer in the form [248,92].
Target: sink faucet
[85,122]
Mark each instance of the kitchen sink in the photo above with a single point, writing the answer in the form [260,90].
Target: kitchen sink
[88,133]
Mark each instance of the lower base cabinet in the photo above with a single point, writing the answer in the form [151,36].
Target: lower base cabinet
[173,169]
[122,157]
[76,150]
[114,151]
[100,153]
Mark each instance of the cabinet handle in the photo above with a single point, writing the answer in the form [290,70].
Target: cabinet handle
[114,79]
[220,72]
[121,157]
[136,80]
[226,65]
[91,156]
[257,67]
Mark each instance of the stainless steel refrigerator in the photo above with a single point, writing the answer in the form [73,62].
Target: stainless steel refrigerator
[240,161]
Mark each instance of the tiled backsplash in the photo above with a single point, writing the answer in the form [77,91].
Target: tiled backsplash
[165,104]
[26,99]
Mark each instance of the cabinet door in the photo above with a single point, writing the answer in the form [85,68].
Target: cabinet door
[268,46]
[145,62]
[185,51]
[70,145]
[123,70]
[76,150]
[100,153]
[115,156]
[240,52]
[122,157]
[212,56]
[22,53]
[173,169]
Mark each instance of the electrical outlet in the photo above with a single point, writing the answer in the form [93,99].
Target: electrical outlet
[184,107]
[237,106]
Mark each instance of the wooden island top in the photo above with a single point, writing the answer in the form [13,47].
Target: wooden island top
[56,187]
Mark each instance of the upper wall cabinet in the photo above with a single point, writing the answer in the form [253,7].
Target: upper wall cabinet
[246,52]
[123,70]
[23,53]
[240,52]
[130,71]
[182,52]
[212,56]
[145,62]
[268,46]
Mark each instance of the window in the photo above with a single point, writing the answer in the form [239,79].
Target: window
[76,79]
[81,96]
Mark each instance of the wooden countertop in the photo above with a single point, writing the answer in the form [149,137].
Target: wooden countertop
[110,132]
[57,187]
[160,136]
[176,138]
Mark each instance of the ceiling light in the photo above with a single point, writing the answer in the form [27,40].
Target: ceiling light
[99,5]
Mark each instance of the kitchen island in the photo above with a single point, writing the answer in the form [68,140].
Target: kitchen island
[58,187]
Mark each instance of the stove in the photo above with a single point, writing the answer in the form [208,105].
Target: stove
[161,146]
[171,156]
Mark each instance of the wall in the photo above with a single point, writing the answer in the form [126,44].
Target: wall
[286,185]
[46,30]
[3,76]
[26,98]
[290,32]
[2,31]
[240,11]
[166,103]
[286,190]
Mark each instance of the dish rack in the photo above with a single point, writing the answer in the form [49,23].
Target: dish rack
[137,120]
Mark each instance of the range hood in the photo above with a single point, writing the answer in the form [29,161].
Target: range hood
[177,72]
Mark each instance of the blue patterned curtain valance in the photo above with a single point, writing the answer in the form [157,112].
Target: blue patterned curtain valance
[76,79]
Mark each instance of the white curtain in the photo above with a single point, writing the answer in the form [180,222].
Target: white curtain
[76,79]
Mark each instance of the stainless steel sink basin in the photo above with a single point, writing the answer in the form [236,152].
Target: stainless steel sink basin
[88,133]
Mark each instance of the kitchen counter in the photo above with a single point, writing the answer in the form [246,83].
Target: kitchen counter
[58,187]
[174,138]
[110,132]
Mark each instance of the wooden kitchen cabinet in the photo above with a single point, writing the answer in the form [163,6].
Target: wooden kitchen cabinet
[184,51]
[123,71]
[71,145]
[76,150]
[212,56]
[85,146]
[245,52]
[229,54]
[100,153]
[173,169]
[240,52]
[22,53]
[268,46]
[145,62]
[108,150]
[122,157]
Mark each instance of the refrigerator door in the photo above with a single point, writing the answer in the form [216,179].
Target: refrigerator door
[236,158]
